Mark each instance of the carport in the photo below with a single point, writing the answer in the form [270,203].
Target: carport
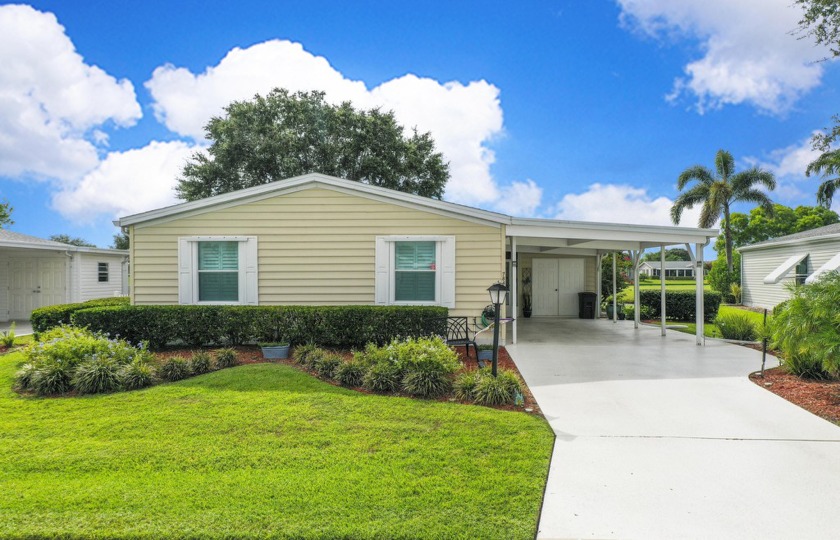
[564,257]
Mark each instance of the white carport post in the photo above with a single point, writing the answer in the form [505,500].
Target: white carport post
[598,291]
[637,259]
[698,277]
[615,292]
[662,286]
[514,299]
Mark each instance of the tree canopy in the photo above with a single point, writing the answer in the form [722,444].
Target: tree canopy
[827,164]
[673,254]
[73,241]
[5,214]
[283,135]
[717,190]
[821,22]
[758,225]
[121,241]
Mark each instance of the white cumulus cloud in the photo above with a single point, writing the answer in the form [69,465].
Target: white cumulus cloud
[520,199]
[462,118]
[50,99]
[788,162]
[748,52]
[621,203]
[126,183]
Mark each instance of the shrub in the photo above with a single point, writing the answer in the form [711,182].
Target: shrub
[736,326]
[645,311]
[96,375]
[501,390]
[721,279]
[174,369]
[328,365]
[805,328]
[23,378]
[136,375]
[301,352]
[679,305]
[51,377]
[200,362]
[7,338]
[735,292]
[465,385]
[350,373]
[427,382]
[48,317]
[339,326]
[314,358]
[226,358]
[383,377]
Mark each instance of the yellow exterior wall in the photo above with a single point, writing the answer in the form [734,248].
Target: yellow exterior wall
[316,247]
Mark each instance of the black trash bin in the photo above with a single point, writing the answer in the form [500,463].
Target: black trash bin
[586,305]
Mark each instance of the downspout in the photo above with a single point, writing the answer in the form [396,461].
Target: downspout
[69,275]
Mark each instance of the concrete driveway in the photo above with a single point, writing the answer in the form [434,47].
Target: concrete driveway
[660,438]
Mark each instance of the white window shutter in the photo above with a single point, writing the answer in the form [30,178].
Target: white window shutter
[185,271]
[251,274]
[382,260]
[447,278]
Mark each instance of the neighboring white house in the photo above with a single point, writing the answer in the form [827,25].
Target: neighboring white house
[35,272]
[673,269]
[768,268]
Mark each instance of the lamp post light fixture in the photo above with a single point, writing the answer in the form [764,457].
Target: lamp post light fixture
[498,295]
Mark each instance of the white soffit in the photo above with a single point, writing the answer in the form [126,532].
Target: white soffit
[781,271]
[832,264]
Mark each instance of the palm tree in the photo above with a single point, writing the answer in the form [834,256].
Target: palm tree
[717,190]
[828,164]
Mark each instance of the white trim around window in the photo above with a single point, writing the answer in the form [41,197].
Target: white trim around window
[444,280]
[188,280]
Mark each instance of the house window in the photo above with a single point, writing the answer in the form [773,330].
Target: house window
[103,272]
[802,271]
[218,271]
[415,271]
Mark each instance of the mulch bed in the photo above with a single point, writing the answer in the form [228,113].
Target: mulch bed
[819,397]
[253,355]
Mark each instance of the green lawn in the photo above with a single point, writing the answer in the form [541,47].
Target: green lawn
[265,451]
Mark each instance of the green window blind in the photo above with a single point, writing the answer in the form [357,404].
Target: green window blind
[415,271]
[218,271]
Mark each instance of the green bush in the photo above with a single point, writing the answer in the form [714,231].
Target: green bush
[383,377]
[427,382]
[7,337]
[301,352]
[23,378]
[501,390]
[174,368]
[679,305]
[337,326]
[96,375]
[721,279]
[51,378]
[136,375]
[350,373]
[806,330]
[327,366]
[48,317]
[465,385]
[736,326]
[630,312]
[226,358]
[200,363]
[314,358]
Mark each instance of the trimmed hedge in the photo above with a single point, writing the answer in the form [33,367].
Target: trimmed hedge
[48,317]
[680,305]
[196,326]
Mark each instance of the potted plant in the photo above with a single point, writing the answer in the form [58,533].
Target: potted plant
[526,305]
[275,350]
[526,292]
[485,352]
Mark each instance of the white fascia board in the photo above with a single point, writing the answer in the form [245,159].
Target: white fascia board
[782,270]
[811,240]
[595,232]
[832,264]
[306,181]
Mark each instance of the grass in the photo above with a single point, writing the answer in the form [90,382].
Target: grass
[264,451]
[711,329]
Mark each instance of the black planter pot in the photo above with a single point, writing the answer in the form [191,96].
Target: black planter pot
[526,313]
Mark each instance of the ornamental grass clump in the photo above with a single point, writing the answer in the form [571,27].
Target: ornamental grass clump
[226,358]
[383,377]
[500,390]
[805,328]
[66,358]
[200,363]
[327,366]
[350,373]
[302,352]
[174,368]
[136,375]
[737,326]
[418,366]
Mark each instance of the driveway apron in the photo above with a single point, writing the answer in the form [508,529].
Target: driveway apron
[660,438]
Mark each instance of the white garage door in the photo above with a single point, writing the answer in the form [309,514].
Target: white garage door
[35,282]
[556,284]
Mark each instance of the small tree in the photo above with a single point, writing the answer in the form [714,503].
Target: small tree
[73,241]
[721,278]
[121,241]
[5,214]
[622,271]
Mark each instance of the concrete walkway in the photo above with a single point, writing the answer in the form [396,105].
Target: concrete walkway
[660,438]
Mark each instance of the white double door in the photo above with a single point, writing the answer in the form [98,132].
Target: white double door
[556,284]
[36,282]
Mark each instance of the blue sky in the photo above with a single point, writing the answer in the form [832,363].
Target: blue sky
[569,109]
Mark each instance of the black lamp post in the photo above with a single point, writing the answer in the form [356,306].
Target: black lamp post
[498,295]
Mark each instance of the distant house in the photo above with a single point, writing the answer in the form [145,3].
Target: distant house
[673,269]
[35,272]
[767,268]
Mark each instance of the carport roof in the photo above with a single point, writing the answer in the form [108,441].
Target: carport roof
[11,239]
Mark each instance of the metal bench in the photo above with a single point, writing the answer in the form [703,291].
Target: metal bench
[456,331]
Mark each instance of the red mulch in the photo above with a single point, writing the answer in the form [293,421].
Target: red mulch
[819,397]
[253,355]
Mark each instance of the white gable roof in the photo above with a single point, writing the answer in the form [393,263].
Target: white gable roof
[13,239]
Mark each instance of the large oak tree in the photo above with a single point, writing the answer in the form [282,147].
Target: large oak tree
[282,135]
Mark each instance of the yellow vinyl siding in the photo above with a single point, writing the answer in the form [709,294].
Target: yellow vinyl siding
[317,247]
